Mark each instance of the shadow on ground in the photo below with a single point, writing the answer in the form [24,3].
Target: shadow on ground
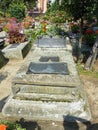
[73,124]
[2,77]
[29,125]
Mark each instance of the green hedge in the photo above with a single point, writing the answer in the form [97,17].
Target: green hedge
[17,10]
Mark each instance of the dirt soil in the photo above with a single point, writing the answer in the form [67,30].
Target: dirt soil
[91,87]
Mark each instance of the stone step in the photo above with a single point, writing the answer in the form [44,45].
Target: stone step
[47,97]
[39,110]
[42,89]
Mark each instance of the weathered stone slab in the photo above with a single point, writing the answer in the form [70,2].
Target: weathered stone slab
[57,90]
[16,51]
[48,79]
[51,42]
[47,58]
[39,110]
[48,68]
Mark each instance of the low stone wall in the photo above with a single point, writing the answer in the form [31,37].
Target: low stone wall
[16,51]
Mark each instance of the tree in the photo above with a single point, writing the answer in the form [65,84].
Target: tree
[79,9]
[17,10]
[91,59]
[4,4]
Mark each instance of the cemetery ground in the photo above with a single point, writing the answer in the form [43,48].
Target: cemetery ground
[91,87]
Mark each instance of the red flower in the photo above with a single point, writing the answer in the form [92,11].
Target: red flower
[89,31]
[96,31]
[0,21]
[45,29]
[71,24]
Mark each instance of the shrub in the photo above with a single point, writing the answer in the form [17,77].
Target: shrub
[90,37]
[16,37]
[11,126]
[75,28]
[14,30]
[17,10]
[11,25]
[27,22]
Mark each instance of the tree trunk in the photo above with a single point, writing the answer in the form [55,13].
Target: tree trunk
[91,59]
[80,41]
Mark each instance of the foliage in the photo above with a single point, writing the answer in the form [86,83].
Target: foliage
[90,37]
[45,29]
[56,17]
[11,25]
[81,71]
[79,8]
[30,4]
[27,22]
[1,20]
[31,34]
[12,126]
[14,30]
[35,33]
[17,10]
[16,37]
[75,28]
[56,30]
[55,6]
[4,5]
[1,14]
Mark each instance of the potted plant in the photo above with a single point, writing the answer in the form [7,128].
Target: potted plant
[15,32]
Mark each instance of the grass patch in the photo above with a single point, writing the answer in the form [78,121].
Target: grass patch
[93,73]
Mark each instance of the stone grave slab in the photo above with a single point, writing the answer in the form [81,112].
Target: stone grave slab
[47,58]
[51,42]
[45,79]
[47,96]
[48,68]
[16,51]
